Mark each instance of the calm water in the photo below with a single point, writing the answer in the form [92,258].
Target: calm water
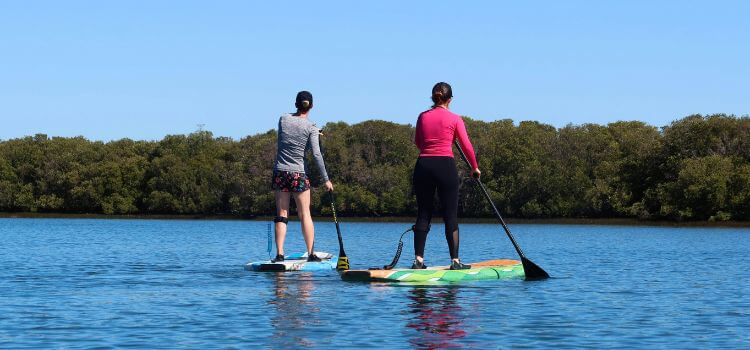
[149,283]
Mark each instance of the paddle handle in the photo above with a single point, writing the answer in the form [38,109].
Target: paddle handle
[489,199]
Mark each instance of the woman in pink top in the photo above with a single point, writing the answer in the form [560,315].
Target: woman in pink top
[436,171]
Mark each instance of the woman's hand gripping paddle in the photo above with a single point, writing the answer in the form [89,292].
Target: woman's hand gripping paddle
[531,270]
[343,262]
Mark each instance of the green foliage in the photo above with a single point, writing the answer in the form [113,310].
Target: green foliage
[697,168]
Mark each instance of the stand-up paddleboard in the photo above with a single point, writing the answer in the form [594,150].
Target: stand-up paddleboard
[295,262]
[485,270]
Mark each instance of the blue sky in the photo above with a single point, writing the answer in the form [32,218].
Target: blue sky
[143,69]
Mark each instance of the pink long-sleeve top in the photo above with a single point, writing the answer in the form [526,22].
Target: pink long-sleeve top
[436,130]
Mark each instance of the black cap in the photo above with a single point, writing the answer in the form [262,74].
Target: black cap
[303,96]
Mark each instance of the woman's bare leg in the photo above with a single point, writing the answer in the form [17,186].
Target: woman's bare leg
[282,209]
[303,211]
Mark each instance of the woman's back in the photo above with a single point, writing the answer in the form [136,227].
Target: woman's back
[436,129]
[297,134]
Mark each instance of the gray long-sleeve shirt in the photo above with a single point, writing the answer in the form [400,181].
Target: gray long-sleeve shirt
[296,135]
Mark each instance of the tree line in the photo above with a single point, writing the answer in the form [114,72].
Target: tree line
[696,168]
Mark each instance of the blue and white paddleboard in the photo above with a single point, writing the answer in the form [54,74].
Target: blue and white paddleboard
[295,262]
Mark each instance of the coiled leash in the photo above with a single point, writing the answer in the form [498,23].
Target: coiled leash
[398,252]
[268,249]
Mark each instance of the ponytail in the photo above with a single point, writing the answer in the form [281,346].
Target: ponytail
[441,93]
[304,106]
[304,101]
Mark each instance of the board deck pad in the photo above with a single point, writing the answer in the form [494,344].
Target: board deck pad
[484,270]
[295,262]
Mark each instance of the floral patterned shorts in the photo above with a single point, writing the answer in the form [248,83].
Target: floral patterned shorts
[286,181]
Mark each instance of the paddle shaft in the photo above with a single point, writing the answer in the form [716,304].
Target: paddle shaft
[489,199]
[338,230]
[532,270]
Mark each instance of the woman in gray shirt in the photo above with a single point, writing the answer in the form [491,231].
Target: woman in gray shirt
[296,135]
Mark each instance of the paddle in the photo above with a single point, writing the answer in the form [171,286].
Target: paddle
[531,270]
[343,262]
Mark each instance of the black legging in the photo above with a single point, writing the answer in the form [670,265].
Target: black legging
[430,174]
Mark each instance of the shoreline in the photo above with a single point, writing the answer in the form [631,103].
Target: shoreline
[396,219]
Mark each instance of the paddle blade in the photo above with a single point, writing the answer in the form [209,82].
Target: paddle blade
[533,271]
[342,263]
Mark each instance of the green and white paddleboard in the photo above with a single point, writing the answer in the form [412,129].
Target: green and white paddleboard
[485,270]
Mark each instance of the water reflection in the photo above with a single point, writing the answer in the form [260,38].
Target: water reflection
[294,309]
[436,317]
